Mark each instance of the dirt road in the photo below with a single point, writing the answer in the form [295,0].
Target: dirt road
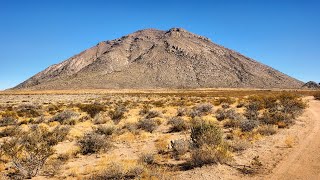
[304,161]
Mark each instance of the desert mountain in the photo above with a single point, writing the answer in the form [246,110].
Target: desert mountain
[159,59]
[311,85]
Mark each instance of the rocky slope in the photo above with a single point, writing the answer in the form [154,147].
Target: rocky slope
[311,85]
[159,59]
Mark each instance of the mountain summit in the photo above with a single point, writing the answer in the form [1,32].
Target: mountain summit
[153,58]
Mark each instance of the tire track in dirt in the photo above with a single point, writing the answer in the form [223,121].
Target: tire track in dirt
[304,161]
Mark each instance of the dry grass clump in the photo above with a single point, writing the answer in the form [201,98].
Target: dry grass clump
[8,118]
[9,131]
[152,114]
[267,130]
[147,158]
[182,111]
[118,171]
[177,124]
[107,130]
[92,143]
[101,118]
[28,111]
[227,100]
[91,109]
[238,144]
[29,150]
[66,117]
[148,125]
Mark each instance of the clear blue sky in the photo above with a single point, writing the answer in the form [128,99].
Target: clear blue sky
[37,33]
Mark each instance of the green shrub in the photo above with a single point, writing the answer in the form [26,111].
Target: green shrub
[205,133]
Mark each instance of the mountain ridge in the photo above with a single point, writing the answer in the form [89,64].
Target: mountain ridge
[154,58]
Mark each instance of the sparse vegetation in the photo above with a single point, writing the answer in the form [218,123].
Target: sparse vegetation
[179,132]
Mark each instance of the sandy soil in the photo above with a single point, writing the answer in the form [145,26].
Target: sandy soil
[304,161]
[280,161]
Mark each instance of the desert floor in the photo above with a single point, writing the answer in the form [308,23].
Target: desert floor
[290,153]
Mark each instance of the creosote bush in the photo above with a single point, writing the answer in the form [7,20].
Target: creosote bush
[208,145]
[205,133]
[93,143]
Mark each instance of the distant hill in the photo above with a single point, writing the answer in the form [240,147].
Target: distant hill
[159,59]
[311,85]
